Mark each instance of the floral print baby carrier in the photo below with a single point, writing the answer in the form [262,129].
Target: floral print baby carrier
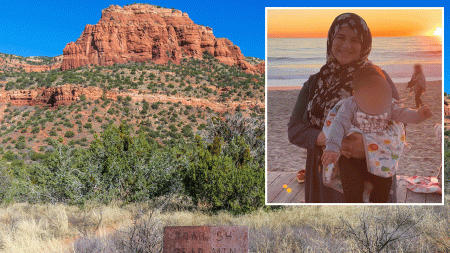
[384,141]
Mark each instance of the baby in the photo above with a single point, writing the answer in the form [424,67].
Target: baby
[372,112]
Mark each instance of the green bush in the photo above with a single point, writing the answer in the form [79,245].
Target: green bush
[115,166]
[5,181]
[10,156]
[155,105]
[35,130]
[223,182]
[21,143]
[69,134]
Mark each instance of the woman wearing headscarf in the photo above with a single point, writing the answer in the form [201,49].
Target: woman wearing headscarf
[349,44]
[419,83]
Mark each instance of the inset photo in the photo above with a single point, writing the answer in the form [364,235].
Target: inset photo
[354,106]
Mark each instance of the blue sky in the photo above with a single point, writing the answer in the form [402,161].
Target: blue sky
[30,28]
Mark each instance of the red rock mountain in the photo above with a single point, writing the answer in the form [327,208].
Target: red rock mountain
[142,32]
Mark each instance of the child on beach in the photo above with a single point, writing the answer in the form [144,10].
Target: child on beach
[372,112]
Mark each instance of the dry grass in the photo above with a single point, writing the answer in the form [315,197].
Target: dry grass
[139,227]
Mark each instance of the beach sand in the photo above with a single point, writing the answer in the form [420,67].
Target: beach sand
[423,159]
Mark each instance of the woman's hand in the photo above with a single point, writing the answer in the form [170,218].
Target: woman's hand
[353,146]
[321,139]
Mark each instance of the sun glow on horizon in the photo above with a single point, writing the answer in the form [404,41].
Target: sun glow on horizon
[314,23]
[439,32]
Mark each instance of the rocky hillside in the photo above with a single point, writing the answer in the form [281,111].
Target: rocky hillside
[15,63]
[68,93]
[143,32]
[167,102]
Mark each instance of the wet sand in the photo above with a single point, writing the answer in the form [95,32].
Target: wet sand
[423,159]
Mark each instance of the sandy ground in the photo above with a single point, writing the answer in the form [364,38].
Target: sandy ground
[424,158]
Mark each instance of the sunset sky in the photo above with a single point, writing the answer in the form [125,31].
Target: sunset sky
[301,23]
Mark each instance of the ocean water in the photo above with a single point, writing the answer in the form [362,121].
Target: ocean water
[290,61]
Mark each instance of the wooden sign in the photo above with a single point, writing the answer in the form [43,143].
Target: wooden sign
[206,239]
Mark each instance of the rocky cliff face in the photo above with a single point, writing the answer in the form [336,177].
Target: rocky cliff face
[142,32]
[37,68]
[68,93]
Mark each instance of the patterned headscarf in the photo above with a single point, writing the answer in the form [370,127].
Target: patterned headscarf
[335,80]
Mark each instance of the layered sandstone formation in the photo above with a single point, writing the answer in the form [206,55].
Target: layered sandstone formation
[17,65]
[37,68]
[66,94]
[142,32]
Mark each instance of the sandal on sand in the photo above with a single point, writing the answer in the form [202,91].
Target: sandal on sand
[301,176]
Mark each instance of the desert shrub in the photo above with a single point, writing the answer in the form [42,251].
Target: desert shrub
[250,132]
[382,231]
[133,168]
[10,156]
[115,166]
[68,124]
[227,166]
[155,105]
[35,130]
[21,188]
[69,134]
[220,182]
[145,107]
[145,234]
[5,180]
[35,156]
[187,131]
[21,143]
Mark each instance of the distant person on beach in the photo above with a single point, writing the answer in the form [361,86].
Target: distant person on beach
[372,112]
[349,44]
[418,83]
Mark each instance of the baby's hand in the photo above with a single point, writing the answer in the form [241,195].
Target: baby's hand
[425,112]
[329,157]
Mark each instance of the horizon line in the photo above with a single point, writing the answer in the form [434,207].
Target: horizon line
[295,37]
